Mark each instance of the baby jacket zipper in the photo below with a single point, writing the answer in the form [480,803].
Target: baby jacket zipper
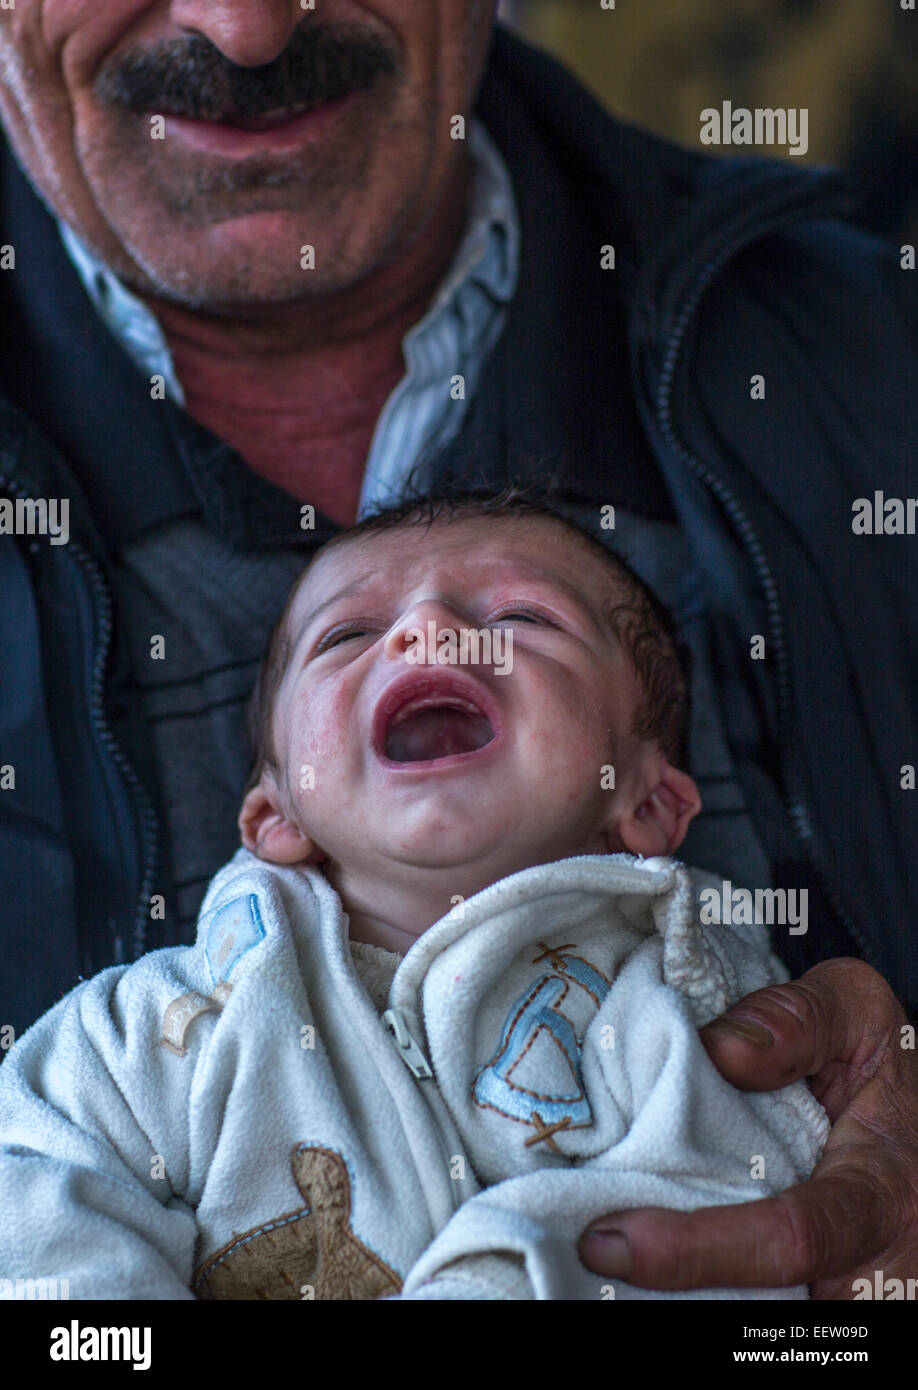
[408,1048]
[407,1045]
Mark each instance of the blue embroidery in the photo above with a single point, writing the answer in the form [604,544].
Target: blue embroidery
[235,928]
[535,1009]
[586,975]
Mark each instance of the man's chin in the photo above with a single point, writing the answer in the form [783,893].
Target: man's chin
[252,261]
[258,256]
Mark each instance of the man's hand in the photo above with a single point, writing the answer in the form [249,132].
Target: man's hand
[841,1027]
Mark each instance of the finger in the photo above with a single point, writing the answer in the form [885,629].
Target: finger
[841,1012]
[817,1230]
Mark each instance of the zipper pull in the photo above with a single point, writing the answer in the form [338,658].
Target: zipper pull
[409,1050]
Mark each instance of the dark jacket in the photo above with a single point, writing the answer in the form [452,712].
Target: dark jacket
[728,269]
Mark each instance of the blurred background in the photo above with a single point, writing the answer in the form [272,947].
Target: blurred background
[852,63]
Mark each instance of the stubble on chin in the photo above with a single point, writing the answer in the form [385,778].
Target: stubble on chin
[169,207]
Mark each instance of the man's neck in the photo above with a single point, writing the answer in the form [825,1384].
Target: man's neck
[297,388]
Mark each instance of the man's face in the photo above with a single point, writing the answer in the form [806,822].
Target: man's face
[441,765]
[218,213]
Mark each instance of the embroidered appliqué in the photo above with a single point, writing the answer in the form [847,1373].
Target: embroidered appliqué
[535,1016]
[234,929]
[312,1247]
[182,1012]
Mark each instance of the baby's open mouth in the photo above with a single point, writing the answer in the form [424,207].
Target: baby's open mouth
[434,727]
[427,716]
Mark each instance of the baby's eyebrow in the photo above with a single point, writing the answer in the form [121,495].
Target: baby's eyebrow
[541,576]
[351,590]
[520,569]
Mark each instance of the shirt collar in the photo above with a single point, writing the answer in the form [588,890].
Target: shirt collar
[491,260]
[131,320]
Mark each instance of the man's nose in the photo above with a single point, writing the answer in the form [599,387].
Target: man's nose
[249,33]
[415,620]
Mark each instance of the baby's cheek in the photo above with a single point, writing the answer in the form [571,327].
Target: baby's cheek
[562,751]
[572,749]
[321,738]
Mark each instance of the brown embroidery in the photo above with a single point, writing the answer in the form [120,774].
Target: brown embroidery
[553,953]
[544,1132]
[310,1247]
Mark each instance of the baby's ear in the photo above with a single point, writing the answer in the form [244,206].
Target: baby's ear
[658,824]
[267,831]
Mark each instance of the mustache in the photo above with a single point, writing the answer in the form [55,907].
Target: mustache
[191,77]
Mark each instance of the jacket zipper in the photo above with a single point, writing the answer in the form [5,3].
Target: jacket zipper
[791,792]
[149,823]
[412,1054]
[149,842]
[408,1048]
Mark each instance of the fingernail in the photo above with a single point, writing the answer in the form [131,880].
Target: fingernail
[750,1032]
[610,1249]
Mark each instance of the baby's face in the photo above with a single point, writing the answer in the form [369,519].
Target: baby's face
[384,757]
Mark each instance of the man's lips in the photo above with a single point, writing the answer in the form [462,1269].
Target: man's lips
[279,116]
[420,691]
[283,129]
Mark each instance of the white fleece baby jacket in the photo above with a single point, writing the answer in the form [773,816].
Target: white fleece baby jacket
[234,1120]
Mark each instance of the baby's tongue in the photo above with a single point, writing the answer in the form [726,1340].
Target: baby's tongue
[436,733]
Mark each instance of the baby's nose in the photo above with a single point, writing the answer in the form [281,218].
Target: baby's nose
[423,622]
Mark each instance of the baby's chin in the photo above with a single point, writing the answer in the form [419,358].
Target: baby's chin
[469,866]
